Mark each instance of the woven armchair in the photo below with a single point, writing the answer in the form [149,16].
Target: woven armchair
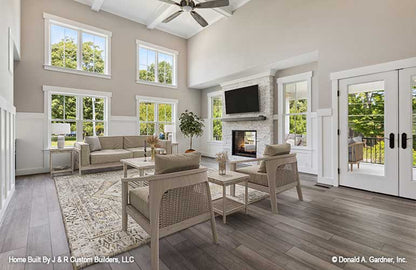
[355,154]
[172,202]
[281,175]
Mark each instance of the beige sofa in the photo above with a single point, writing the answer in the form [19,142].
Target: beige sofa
[113,149]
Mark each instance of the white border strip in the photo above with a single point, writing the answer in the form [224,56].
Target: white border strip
[82,92]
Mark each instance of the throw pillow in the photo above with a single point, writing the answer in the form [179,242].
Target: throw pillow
[94,143]
[176,163]
[273,150]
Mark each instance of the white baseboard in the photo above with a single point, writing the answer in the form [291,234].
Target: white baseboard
[6,204]
[326,180]
[21,172]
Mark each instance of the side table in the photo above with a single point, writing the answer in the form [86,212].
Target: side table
[63,150]
[226,205]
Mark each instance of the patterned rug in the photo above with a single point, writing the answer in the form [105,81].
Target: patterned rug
[91,210]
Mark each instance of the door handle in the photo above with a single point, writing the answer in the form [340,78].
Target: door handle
[404,140]
[391,140]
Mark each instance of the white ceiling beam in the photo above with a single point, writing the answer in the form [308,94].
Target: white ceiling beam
[223,11]
[164,12]
[97,4]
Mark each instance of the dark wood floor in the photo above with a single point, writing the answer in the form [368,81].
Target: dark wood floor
[305,235]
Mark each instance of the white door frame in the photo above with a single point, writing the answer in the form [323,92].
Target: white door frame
[361,71]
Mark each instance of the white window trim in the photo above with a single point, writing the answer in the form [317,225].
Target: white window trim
[307,76]
[78,27]
[210,119]
[157,48]
[51,90]
[158,100]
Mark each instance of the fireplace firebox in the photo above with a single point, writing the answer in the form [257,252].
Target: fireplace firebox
[244,143]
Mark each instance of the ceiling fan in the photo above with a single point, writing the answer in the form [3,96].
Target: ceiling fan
[190,5]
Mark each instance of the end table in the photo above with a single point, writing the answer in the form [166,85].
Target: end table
[227,205]
[63,150]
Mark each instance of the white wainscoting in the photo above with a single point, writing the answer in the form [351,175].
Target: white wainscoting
[326,159]
[7,157]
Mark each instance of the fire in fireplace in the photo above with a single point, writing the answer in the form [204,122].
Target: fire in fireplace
[244,143]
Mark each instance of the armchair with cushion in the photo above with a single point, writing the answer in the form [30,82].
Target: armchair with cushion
[177,197]
[277,172]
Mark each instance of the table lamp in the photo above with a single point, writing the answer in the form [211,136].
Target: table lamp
[60,130]
[169,129]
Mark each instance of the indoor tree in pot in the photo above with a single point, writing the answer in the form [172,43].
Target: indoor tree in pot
[191,126]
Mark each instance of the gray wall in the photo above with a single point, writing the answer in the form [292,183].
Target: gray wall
[347,34]
[30,75]
[9,17]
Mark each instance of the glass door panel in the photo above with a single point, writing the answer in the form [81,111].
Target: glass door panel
[368,132]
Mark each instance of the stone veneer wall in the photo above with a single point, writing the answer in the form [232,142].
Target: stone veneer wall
[264,128]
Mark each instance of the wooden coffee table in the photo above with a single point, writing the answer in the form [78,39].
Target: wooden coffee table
[137,163]
[227,205]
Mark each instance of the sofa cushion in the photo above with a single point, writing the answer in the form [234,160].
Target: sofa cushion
[93,142]
[176,163]
[109,155]
[139,198]
[255,176]
[274,150]
[111,142]
[133,141]
[139,152]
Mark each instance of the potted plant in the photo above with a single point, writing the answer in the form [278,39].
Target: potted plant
[191,126]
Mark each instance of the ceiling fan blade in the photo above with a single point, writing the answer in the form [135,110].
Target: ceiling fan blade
[170,2]
[173,16]
[213,4]
[199,19]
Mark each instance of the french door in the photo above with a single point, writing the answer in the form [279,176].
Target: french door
[377,127]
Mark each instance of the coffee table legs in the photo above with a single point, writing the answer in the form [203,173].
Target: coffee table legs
[224,202]
[246,196]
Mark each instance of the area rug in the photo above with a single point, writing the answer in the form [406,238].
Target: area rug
[91,210]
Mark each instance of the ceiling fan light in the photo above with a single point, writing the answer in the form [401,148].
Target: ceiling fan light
[187,8]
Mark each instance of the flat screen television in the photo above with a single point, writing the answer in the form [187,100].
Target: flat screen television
[242,100]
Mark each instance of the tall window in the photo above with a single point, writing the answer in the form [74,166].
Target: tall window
[295,108]
[75,47]
[86,113]
[215,103]
[156,65]
[154,115]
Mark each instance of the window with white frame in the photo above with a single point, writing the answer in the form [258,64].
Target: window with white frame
[295,102]
[215,101]
[77,48]
[86,112]
[155,114]
[156,65]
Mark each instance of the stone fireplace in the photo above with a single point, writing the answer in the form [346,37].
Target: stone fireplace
[244,143]
[243,122]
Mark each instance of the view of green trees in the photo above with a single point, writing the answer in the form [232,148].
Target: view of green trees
[297,122]
[64,54]
[164,73]
[64,110]
[148,120]
[216,122]
[366,119]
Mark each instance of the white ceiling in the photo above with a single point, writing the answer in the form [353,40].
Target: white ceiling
[152,12]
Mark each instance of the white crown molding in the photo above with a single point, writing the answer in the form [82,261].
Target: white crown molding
[383,67]
[248,78]
[77,25]
[294,78]
[83,92]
